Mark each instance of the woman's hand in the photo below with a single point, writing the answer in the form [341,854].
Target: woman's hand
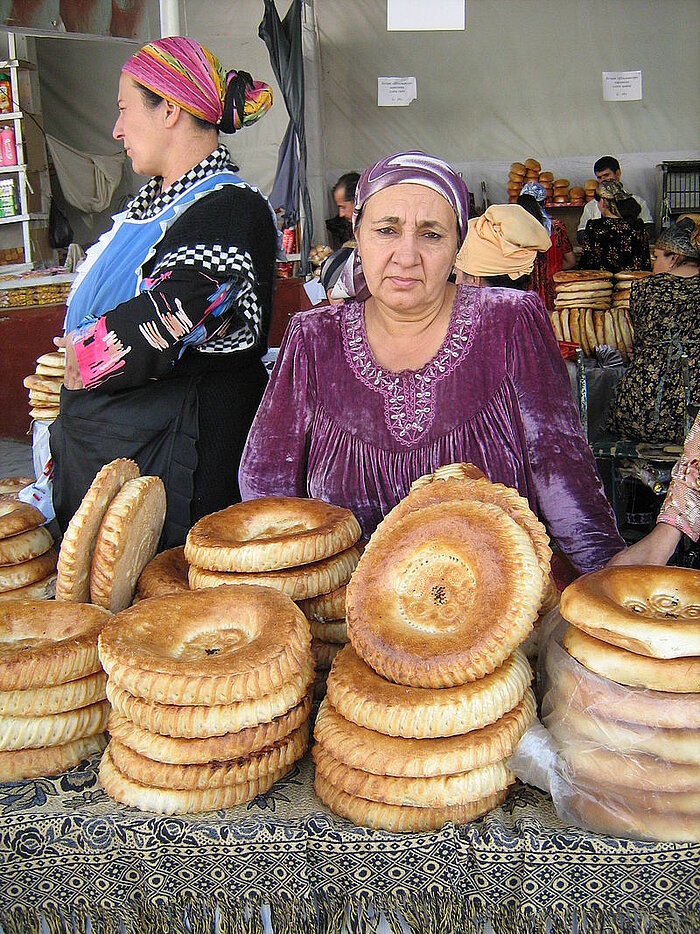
[71,376]
[655,548]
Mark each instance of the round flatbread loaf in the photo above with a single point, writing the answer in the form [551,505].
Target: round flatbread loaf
[18,764]
[44,413]
[677,675]
[179,751]
[126,541]
[629,275]
[52,729]
[16,517]
[459,471]
[606,817]
[638,771]
[324,653]
[299,583]
[325,607]
[376,752]
[335,631]
[164,574]
[270,533]
[359,694]
[44,589]
[46,643]
[178,801]
[581,275]
[57,372]
[14,484]
[46,384]
[207,647]
[200,776]
[201,721]
[14,576]
[651,611]
[25,546]
[444,594]
[36,702]
[78,544]
[56,358]
[400,819]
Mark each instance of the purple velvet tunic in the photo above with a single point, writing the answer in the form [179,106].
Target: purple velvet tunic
[335,425]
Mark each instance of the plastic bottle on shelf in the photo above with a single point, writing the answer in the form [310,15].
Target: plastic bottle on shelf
[8,147]
[5,94]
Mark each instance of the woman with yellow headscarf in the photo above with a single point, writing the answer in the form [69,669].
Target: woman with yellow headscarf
[167,319]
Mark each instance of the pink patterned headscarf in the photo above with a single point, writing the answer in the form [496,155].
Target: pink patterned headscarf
[183,71]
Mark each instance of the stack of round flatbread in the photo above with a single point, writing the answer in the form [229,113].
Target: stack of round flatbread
[27,555]
[45,385]
[304,547]
[53,711]
[112,536]
[446,590]
[629,724]
[210,697]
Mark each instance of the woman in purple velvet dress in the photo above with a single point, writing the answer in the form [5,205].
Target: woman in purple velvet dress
[415,372]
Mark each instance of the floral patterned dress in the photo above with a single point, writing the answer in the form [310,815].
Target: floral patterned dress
[550,262]
[649,404]
[613,244]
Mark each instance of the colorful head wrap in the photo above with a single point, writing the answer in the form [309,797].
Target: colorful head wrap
[504,241]
[538,192]
[186,73]
[680,238]
[415,168]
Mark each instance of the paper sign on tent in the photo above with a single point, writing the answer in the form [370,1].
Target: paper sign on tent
[396,92]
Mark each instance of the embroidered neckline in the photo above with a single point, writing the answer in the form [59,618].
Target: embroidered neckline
[409,395]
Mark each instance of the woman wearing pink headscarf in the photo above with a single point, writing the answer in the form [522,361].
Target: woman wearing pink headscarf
[414,372]
[168,317]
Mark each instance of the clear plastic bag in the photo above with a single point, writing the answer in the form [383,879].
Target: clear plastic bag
[40,493]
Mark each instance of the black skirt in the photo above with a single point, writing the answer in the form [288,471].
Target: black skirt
[188,429]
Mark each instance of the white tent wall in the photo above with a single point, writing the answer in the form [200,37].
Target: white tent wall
[524,79]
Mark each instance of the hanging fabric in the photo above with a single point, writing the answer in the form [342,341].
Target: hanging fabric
[88,180]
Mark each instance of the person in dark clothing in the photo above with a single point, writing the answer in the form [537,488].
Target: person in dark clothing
[617,240]
[167,320]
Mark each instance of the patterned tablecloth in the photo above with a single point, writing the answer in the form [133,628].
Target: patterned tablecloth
[77,859]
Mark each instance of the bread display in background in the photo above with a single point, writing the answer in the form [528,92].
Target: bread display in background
[210,698]
[27,556]
[426,705]
[622,699]
[53,711]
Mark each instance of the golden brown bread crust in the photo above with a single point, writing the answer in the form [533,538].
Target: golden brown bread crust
[25,546]
[185,751]
[299,583]
[16,517]
[634,770]
[166,573]
[78,544]
[9,485]
[375,752]
[581,275]
[207,647]
[126,542]
[200,721]
[335,631]
[270,533]
[459,471]
[45,643]
[651,611]
[198,777]
[34,702]
[325,607]
[14,576]
[178,801]
[400,819]
[44,589]
[437,791]
[444,594]
[54,729]
[608,817]
[677,675]
[359,694]
[324,652]
[18,764]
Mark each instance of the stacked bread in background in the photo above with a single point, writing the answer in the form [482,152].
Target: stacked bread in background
[559,190]
[44,385]
[589,188]
[53,710]
[210,698]
[425,706]
[623,285]
[626,712]
[584,313]
[27,555]
[304,547]
[113,534]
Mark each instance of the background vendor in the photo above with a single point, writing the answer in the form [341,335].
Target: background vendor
[167,319]
[607,169]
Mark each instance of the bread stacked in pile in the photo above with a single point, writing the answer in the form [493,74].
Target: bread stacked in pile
[210,698]
[622,287]
[113,534]
[520,173]
[589,188]
[584,312]
[427,703]
[559,190]
[627,717]
[27,555]
[44,385]
[304,547]
[53,710]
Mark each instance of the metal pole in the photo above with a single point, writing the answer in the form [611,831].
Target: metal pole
[169,18]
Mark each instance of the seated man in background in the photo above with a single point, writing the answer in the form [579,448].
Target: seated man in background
[340,227]
[607,169]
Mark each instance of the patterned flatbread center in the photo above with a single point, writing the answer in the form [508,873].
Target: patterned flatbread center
[268,530]
[434,590]
[216,641]
[667,606]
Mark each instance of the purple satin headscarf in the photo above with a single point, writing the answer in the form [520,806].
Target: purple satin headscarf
[413,168]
